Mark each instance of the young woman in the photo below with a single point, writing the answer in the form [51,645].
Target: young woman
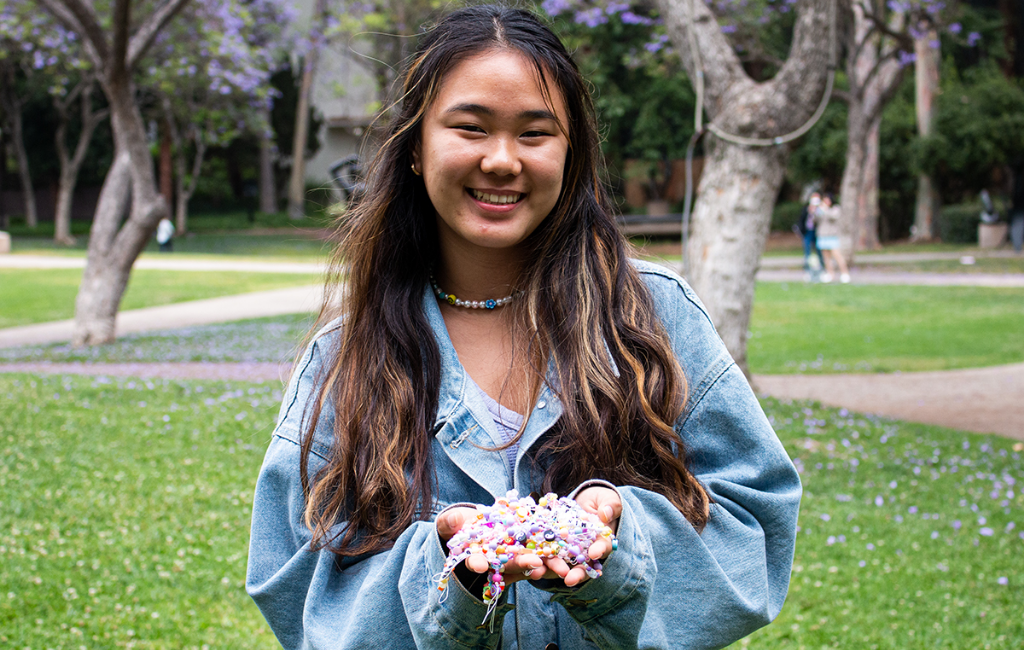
[828,216]
[493,335]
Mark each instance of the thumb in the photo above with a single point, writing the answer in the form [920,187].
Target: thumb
[450,521]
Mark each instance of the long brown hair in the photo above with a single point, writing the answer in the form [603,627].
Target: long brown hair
[585,308]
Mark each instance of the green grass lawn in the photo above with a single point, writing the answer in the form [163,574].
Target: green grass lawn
[36,296]
[804,328]
[980,265]
[125,506]
[284,244]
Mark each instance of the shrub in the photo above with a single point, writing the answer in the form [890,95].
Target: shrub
[785,215]
[958,224]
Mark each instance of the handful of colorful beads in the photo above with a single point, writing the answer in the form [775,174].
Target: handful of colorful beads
[550,527]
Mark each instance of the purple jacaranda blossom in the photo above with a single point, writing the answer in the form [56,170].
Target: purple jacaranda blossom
[1003,580]
[616,8]
[729,29]
[912,510]
[934,43]
[982,521]
[898,519]
[630,18]
[955,28]
[905,58]
[862,564]
[957,524]
[973,38]
[879,501]
[986,532]
[826,517]
[870,546]
[831,540]
[591,17]
[935,534]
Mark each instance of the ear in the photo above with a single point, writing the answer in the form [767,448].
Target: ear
[416,157]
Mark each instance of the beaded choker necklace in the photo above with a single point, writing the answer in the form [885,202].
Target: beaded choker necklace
[471,304]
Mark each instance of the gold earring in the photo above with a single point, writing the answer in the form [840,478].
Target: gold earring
[414,170]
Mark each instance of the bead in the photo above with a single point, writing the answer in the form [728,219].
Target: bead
[491,304]
[452,299]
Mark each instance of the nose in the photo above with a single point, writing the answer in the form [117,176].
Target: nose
[501,158]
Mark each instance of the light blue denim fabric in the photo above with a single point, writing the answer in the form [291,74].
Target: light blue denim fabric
[665,587]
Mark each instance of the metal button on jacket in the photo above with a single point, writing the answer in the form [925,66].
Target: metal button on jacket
[551,646]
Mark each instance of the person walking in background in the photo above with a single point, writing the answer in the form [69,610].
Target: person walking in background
[165,235]
[827,218]
[808,229]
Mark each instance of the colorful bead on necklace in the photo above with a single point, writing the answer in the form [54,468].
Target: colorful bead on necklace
[550,527]
[471,304]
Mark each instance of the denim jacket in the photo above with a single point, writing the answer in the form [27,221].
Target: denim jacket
[667,586]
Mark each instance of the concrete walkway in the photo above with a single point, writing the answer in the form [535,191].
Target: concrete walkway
[276,302]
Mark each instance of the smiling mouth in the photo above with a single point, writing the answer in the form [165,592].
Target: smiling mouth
[496,199]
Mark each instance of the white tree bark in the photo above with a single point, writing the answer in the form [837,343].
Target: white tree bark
[130,187]
[874,75]
[926,83]
[297,182]
[268,190]
[71,164]
[739,184]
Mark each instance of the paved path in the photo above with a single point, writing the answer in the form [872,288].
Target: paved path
[276,302]
[984,400]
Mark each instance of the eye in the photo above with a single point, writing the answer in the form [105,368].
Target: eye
[536,134]
[469,128]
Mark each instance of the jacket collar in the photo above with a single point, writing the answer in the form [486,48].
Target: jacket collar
[463,424]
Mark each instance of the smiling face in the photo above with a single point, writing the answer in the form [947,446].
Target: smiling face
[492,152]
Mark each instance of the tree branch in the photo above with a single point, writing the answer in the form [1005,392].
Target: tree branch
[122,18]
[842,95]
[143,38]
[81,18]
[715,58]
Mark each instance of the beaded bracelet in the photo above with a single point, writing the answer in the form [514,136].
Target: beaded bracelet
[550,527]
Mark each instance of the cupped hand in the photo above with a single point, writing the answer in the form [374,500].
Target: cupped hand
[606,504]
[518,568]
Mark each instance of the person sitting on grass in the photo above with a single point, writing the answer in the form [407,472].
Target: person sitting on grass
[493,335]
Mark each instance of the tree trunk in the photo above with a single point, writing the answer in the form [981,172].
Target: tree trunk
[185,190]
[21,156]
[926,77]
[130,187]
[731,219]
[268,191]
[297,182]
[166,165]
[71,165]
[851,189]
[62,215]
[740,183]
[868,208]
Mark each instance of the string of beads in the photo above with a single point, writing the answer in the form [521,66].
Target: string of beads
[471,304]
[549,527]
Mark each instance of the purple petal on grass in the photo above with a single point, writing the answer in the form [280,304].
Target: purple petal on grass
[826,517]
[986,532]
[982,521]
[862,564]
[1003,580]
[879,501]
[935,534]
[956,524]
[912,510]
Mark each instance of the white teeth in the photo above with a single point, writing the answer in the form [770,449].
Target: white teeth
[496,199]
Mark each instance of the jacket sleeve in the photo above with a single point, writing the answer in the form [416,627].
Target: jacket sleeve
[313,599]
[668,582]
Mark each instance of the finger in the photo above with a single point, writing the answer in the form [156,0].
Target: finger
[558,565]
[600,549]
[577,575]
[610,511]
[477,563]
[452,520]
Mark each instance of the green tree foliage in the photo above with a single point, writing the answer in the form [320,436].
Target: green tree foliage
[980,126]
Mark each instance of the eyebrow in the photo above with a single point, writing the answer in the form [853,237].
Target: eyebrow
[479,109]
